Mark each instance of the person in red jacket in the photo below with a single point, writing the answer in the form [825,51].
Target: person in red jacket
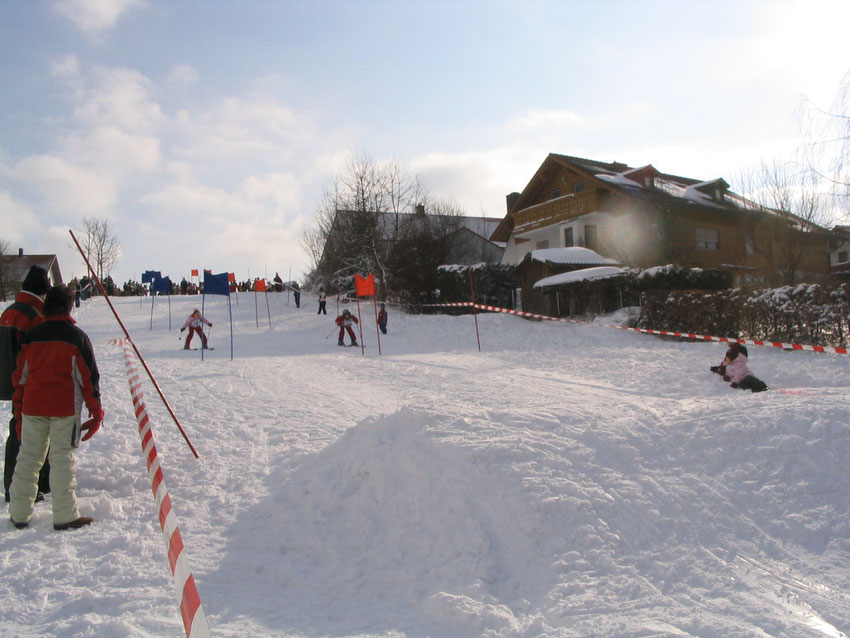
[344,322]
[15,321]
[55,376]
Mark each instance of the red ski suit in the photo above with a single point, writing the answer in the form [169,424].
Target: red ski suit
[344,322]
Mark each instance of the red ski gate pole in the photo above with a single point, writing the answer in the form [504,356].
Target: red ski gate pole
[135,349]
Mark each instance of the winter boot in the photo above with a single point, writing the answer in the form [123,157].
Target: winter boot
[340,343]
[186,346]
[353,342]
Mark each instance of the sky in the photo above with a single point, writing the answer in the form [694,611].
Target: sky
[568,480]
[207,131]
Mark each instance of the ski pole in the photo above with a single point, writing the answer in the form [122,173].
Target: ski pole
[330,333]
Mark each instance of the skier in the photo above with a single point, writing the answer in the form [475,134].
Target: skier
[382,319]
[323,300]
[734,369]
[194,324]
[344,322]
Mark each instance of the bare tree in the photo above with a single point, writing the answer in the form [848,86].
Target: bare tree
[826,150]
[358,219]
[787,208]
[100,244]
[8,273]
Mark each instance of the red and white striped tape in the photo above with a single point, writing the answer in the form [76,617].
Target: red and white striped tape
[754,342]
[194,621]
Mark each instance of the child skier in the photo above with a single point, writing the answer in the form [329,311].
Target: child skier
[344,321]
[382,319]
[194,324]
[734,369]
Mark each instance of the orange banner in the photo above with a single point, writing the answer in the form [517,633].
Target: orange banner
[260,285]
[364,286]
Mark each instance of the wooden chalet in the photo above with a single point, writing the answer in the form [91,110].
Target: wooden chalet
[641,217]
[14,268]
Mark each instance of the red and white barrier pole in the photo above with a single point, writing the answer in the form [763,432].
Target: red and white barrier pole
[194,621]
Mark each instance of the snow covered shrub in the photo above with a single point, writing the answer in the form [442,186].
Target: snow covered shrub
[494,285]
[806,313]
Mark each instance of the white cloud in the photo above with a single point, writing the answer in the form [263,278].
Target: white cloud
[546,120]
[182,76]
[65,66]
[68,188]
[122,98]
[92,16]
[18,221]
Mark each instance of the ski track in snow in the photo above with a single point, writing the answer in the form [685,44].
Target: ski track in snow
[566,481]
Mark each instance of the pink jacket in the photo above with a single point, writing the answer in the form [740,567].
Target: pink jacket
[737,369]
[194,322]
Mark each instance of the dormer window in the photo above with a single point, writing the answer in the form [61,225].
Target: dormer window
[579,187]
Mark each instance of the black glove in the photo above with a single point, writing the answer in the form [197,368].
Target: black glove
[726,377]
[715,369]
[734,385]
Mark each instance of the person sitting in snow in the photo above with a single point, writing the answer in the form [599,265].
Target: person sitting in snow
[194,324]
[382,319]
[344,321]
[734,369]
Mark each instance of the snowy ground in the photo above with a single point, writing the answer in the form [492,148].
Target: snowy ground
[566,481]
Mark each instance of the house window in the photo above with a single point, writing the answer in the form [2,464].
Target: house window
[842,256]
[556,193]
[590,237]
[568,238]
[543,244]
[579,187]
[707,238]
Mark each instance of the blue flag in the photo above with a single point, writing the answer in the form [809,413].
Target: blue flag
[162,284]
[216,284]
[150,276]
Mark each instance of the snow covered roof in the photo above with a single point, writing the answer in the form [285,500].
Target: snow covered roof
[585,274]
[572,255]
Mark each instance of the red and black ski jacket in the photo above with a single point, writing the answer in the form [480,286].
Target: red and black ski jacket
[56,372]
[15,321]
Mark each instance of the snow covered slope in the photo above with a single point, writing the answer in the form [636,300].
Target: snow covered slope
[566,481]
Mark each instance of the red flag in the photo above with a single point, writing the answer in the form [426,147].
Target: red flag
[364,286]
[260,285]
[194,272]
[231,277]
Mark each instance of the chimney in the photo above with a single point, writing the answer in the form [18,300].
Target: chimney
[419,210]
[20,252]
[512,199]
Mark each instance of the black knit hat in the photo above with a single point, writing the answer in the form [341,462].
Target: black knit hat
[36,281]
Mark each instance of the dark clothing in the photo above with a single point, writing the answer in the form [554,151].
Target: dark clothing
[15,321]
[382,321]
[750,382]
